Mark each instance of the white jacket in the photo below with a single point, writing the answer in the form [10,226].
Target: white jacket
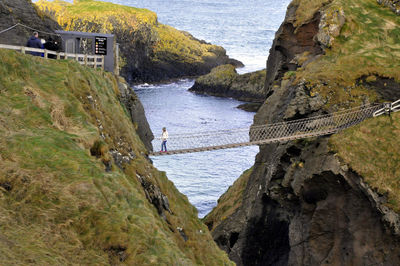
[164,135]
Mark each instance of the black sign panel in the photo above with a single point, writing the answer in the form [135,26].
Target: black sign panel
[101,45]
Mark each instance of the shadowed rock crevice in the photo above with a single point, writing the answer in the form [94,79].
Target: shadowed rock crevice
[267,241]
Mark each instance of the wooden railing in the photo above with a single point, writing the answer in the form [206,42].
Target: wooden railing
[96,61]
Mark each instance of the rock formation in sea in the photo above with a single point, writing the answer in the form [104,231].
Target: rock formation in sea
[224,81]
[150,51]
[329,200]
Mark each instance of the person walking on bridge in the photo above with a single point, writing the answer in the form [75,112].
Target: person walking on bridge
[35,42]
[164,138]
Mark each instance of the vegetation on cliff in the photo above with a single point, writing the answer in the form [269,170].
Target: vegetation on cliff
[372,150]
[224,81]
[151,51]
[368,46]
[75,186]
[324,200]
[228,202]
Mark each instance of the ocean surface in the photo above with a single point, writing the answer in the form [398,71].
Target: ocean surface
[246,30]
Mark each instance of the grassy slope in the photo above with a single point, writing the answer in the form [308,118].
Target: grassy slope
[369,45]
[372,150]
[57,204]
[170,43]
[229,201]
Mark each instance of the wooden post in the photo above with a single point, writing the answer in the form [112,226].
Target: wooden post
[85,59]
[102,62]
[58,56]
[46,55]
[23,49]
[116,59]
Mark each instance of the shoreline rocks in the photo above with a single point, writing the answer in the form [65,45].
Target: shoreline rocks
[224,81]
[150,51]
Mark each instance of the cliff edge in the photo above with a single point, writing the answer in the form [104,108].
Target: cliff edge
[76,186]
[150,51]
[327,200]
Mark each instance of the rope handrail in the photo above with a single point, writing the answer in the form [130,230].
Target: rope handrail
[25,26]
[223,131]
[268,133]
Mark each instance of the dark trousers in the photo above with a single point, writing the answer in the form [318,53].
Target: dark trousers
[164,145]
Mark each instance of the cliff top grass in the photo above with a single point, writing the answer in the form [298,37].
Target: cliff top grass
[58,205]
[229,201]
[372,150]
[97,10]
[306,9]
[368,46]
[167,43]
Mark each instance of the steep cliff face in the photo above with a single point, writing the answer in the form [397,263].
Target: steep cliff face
[24,12]
[303,203]
[150,50]
[76,186]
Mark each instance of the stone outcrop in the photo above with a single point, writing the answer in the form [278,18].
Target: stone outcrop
[224,81]
[150,51]
[24,12]
[302,204]
[135,108]
[392,4]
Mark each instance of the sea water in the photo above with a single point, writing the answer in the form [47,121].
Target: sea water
[246,29]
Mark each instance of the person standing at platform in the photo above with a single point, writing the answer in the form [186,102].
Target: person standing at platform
[35,42]
[164,138]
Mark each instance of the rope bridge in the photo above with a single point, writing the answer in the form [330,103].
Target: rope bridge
[269,133]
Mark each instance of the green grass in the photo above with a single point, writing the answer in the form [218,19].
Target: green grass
[372,150]
[368,45]
[131,25]
[228,202]
[58,205]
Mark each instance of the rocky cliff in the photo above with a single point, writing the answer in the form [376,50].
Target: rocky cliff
[224,81]
[24,12]
[322,201]
[150,50]
[76,186]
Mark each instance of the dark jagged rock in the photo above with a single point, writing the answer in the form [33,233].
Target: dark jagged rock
[24,12]
[392,4]
[224,81]
[302,205]
[155,196]
[136,111]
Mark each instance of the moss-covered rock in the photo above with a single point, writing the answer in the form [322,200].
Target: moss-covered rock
[26,13]
[150,50]
[321,200]
[224,81]
[76,186]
